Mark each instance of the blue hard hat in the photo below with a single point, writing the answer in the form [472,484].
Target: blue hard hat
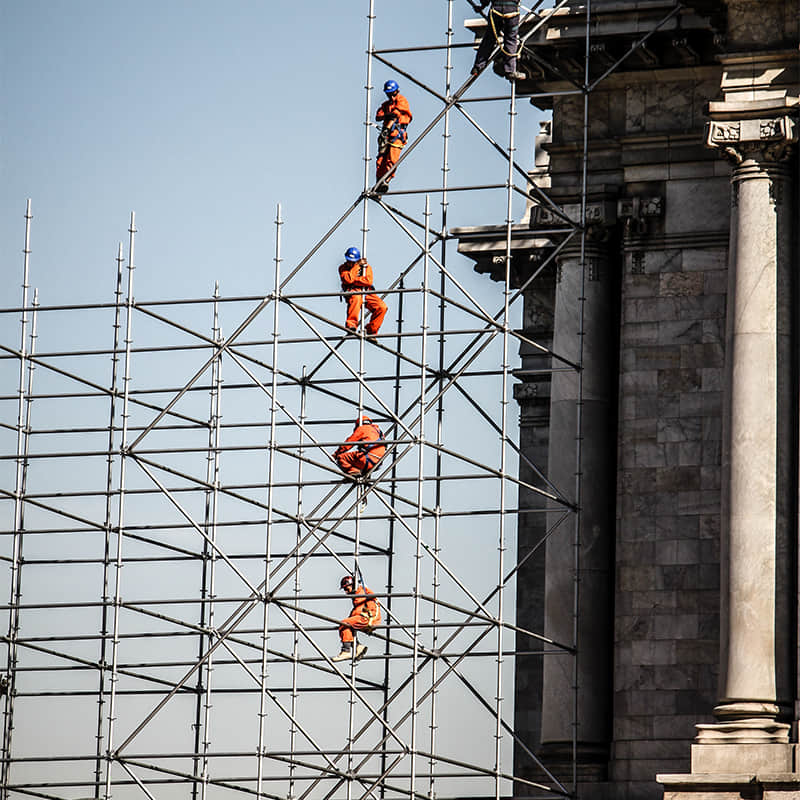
[352,254]
[390,86]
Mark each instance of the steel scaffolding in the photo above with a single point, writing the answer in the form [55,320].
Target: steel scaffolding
[172,614]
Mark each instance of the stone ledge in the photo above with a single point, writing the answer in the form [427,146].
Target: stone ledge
[731,786]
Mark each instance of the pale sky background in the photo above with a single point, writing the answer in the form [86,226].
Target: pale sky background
[201,117]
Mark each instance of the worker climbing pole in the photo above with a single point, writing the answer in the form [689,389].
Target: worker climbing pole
[364,616]
[395,114]
[356,278]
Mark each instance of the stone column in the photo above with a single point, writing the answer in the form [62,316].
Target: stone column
[596,528]
[759,435]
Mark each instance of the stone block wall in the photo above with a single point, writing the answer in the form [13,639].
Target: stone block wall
[668,512]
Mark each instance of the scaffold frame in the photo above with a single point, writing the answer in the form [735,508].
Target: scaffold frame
[161,508]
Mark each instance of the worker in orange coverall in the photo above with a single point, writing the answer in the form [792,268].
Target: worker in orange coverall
[367,439]
[395,114]
[364,616]
[356,276]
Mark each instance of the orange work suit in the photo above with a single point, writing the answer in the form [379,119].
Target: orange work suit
[356,276]
[396,114]
[366,614]
[366,455]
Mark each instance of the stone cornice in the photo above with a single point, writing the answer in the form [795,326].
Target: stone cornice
[486,246]
[767,139]
[601,212]
[677,36]
[758,57]
[729,781]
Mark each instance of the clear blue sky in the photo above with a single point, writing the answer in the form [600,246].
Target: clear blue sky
[200,117]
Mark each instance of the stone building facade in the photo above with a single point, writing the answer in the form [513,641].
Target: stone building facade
[687,621]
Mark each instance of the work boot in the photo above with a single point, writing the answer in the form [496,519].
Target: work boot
[360,650]
[382,188]
[345,653]
[516,76]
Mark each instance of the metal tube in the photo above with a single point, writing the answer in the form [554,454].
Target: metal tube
[577,519]
[501,545]
[209,551]
[445,202]
[126,381]
[112,412]
[367,126]
[419,524]
[296,619]
[273,411]
[16,548]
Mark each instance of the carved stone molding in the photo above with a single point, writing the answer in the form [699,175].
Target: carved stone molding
[763,140]
[597,214]
[635,211]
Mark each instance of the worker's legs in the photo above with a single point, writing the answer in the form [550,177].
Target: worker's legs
[351,624]
[377,309]
[353,310]
[381,164]
[508,27]
[484,49]
[510,43]
[352,462]
[387,160]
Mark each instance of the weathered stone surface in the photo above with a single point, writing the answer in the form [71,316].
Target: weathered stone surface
[646,141]
[725,759]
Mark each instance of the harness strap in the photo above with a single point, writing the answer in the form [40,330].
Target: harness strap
[496,35]
[393,133]
[366,448]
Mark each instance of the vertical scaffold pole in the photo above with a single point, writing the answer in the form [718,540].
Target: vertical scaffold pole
[501,545]
[361,370]
[420,498]
[273,412]
[448,69]
[16,551]
[392,525]
[26,449]
[208,584]
[107,526]
[367,125]
[126,381]
[576,566]
[296,614]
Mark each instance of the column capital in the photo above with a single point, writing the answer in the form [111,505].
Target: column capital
[765,140]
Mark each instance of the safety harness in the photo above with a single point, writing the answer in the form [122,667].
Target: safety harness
[492,14]
[366,449]
[372,619]
[394,135]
